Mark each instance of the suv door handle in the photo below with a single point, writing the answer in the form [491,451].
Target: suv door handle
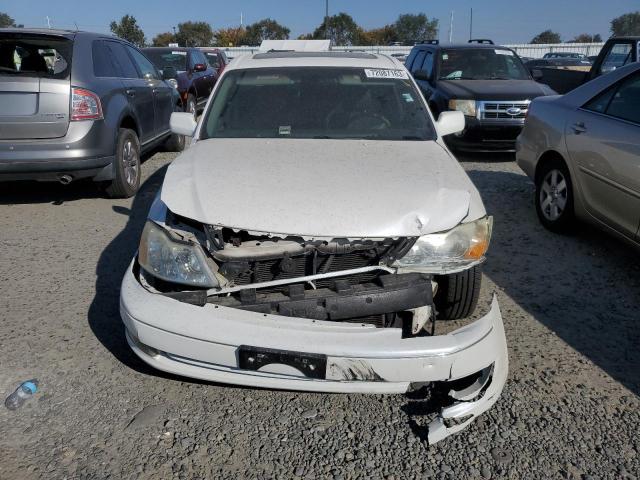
[131,92]
[579,128]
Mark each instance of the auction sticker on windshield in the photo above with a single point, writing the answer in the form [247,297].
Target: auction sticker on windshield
[386,73]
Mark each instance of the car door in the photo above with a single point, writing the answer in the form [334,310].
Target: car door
[161,91]
[203,80]
[427,66]
[618,54]
[603,140]
[137,89]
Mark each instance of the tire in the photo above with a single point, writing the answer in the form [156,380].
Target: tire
[190,106]
[554,196]
[128,166]
[457,295]
[175,143]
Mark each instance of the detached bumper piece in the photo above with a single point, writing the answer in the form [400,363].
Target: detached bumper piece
[375,302]
[243,347]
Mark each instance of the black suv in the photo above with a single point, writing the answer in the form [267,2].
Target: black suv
[79,105]
[488,83]
[188,70]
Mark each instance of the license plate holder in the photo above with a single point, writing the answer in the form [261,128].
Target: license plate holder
[312,365]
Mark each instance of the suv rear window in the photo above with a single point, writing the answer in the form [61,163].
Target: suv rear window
[35,55]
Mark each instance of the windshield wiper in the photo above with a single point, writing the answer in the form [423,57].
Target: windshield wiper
[411,137]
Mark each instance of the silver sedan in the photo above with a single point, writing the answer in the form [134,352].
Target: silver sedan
[582,150]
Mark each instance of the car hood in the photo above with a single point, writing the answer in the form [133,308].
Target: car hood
[494,89]
[322,188]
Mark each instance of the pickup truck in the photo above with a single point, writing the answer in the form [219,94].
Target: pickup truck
[617,52]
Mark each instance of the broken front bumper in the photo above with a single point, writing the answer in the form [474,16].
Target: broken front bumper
[211,343]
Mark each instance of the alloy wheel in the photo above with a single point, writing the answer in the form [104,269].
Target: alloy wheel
[130,163]
[553,195]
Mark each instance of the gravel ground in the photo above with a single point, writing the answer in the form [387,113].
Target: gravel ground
[570,408]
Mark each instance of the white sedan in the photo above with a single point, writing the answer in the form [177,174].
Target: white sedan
[583,152]
[310,237]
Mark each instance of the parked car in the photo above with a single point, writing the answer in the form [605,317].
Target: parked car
[583,152]
[486,82]
[79,105]
[216,59]
[193,77]
[617,52]
[298,251]
[560,55]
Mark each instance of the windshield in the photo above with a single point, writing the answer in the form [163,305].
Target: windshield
[168,58]
[481,64]
[35,55]
[318,102]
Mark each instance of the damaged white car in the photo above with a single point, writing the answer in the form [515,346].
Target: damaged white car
[312,235]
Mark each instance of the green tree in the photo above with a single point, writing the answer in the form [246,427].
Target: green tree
[194,34]
[230,37]
[626,25]
[379,36]
[412,28]
[341,29]
[128,29]
[586,38]
[6,21]
[164,39]
[266,29]
[547,36]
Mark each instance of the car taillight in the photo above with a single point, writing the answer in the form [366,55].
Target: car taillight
[85,105]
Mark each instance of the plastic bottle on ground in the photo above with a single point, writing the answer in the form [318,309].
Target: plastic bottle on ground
[23,393]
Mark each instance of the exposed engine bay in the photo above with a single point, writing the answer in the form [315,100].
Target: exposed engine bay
[339,280]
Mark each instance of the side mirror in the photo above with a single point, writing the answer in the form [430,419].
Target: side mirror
[537,74]
[169,73]
[421,75]
[450,122]
[199,67]
[183,123]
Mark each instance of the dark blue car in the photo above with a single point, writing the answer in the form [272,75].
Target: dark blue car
[188,71]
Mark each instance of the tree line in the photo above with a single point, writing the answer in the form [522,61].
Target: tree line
[341,29]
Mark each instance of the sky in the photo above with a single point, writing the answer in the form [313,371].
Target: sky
[504,21]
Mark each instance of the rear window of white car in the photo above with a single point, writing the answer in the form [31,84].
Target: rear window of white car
[318,102]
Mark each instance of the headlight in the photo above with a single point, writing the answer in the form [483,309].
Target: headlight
[468,107]
[173,82]
[173,260]
[450,251]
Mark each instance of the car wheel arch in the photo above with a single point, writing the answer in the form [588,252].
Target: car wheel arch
[127,121]
[547,157]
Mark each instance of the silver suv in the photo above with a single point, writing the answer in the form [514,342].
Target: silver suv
[80,105]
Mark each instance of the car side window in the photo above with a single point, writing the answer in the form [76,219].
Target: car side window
[417,64]
[621,100]
[412,55]
[427,65]
[625,103]
[618,56]
[124,62]
[103,62]
[147,70]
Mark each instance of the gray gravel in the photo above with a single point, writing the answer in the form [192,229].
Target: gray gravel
[570,408]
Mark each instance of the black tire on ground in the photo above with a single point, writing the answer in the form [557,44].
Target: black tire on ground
[554,196]
[457,294]
[175,143]
[190,106]
[128,166]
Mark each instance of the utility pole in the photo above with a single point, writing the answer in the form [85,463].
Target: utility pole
[241,20]
[48,22]
[326,19]
[471,25]
[451,28]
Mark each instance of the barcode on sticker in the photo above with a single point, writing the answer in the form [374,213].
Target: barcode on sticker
[385,73]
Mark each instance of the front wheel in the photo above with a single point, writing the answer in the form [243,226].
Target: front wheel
[457,295]
[554,196]
[127,165]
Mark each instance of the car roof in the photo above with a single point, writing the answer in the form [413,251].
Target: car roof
[70,34]
[174,49]
[462,46]
[314,59]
